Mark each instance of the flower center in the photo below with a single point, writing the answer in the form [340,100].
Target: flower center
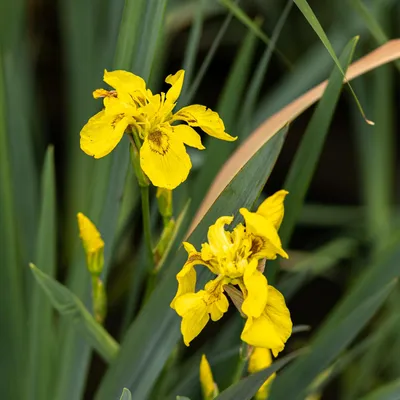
[158,142]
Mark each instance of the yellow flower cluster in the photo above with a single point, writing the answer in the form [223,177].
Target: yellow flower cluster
[237,258]
[131,107]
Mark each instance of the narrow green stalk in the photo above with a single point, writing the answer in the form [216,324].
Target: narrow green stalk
[241,365]
[144,191]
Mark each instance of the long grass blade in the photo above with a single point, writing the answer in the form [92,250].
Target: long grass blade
[12,313]
[306,158]
[242,17]
[42,345]
[313,21]
[255,84]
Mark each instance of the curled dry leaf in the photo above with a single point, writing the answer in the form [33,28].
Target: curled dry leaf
[380,56]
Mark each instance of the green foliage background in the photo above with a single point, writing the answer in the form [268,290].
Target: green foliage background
[247,60]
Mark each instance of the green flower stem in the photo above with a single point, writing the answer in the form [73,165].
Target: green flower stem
[241,365]
[144,191]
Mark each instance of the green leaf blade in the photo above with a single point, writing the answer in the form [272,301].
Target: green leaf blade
[70,306]
[42,334]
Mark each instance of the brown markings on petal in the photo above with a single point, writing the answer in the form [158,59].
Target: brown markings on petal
[116,119]
[158,142]
[257,244]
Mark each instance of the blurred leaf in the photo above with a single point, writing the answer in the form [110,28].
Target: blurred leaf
[354,353]
[12,314]
[319,261]
[246,388]
[331,215]
[313,21]
[192,46]
[11,20]
[390,391]
[18,71]
[151,27]
[42,343]
[190,92]
[255,84]
[228,108]
[68,305]
[326,345]
[126,395]
[370,21]
[182,398]
[129,33]
[140,362]
[308,153]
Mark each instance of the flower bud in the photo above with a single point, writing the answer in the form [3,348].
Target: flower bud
[93,244]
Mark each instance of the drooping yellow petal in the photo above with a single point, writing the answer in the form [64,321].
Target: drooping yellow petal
[260,359]
[270,244]
[186,277]
[257,291]
[176,82]
[273,328]
[272,208]
[188,136]
[208,386]
[193,310]
[129,87]
[93,244]
[164,160]
[206,119]
[102,133]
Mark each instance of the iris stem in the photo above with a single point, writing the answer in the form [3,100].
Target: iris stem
[144,191]
[240,367]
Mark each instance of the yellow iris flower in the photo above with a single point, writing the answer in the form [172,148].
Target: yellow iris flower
[234,258]
[132,107]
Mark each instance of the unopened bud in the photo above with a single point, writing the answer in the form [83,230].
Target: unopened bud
[93,244]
